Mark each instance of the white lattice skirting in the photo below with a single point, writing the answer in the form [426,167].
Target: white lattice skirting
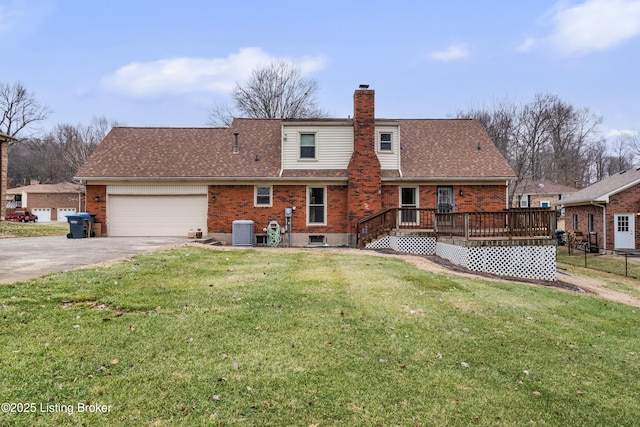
[525,261]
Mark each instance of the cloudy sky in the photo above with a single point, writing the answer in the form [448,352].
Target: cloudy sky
[161,63]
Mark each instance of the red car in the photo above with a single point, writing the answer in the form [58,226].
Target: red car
[22,216]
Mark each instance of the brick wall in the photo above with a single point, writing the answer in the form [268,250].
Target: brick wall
[476,198]
[236,202]
[54,201]
[583,213]
[365,184]
[100,207]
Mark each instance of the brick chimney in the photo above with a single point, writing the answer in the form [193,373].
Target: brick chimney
[365,183]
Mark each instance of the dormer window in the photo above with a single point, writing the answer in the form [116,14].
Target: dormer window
[307,145]
[385,141]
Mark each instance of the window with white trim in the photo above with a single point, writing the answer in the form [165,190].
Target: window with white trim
[385,141]
[307,145]
[316,206]
[262,196]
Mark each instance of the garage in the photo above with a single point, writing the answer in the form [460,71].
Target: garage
[44,214]
[156,210]
[63,212]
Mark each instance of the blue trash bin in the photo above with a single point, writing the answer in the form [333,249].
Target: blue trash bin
[80,225]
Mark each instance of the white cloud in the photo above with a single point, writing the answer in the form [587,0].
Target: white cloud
[595,25]
[616,133]
[185,75]
[452,53]
[526,45]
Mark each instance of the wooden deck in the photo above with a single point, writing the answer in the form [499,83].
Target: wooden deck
[510,224]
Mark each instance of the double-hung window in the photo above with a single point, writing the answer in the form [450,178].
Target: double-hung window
[385,141]
[262,196]
[307,145]
[316,202]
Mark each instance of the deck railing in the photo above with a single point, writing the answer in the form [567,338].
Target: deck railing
[507,224]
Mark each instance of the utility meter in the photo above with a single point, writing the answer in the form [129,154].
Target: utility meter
[288,212]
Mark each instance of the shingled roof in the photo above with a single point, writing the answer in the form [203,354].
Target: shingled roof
[188,152]
[602,190]
[61,187]
[431,149]
[544,187]
[450,148]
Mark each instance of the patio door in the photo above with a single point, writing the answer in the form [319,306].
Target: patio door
[408,205]
[444,204]
[624,231]
[445,199]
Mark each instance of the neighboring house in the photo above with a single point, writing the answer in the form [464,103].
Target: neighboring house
[542,194]
[332,172]
[51,202]
[611,208]
[4,165]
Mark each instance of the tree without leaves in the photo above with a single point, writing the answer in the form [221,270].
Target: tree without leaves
[276,91]
[544,139]
[19,109]
[58,154]
[632,143]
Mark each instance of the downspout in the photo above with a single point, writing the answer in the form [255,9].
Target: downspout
[399,153]
[604,225]
[283,138]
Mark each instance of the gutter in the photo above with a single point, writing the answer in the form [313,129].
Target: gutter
[604,225]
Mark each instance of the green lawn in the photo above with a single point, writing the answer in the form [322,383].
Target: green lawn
[30,229]
[610,263]
[195,336]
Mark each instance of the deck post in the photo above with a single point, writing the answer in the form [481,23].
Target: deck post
[466,227]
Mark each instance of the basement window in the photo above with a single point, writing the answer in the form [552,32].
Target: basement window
[261,240]
[317,240]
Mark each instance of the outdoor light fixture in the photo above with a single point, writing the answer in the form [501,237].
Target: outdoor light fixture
[461,193]
[96,199]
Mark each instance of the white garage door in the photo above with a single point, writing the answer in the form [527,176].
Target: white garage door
[44,214]
[156,215]
[63,212]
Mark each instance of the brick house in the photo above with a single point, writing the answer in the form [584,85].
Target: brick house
[611,208]
[51,202]
[331,172]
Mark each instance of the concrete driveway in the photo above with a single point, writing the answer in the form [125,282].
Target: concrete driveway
[26,258]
